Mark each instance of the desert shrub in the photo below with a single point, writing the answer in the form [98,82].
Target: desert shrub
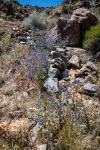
[36,20]
[92,39]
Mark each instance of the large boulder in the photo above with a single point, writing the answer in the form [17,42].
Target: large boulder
[69,29]
[66,30]
[85,18]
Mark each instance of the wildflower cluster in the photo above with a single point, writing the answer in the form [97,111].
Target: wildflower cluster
[51,109]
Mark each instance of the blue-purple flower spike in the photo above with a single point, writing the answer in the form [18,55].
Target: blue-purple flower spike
[41,96]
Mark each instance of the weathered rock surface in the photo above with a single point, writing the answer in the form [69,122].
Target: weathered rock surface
[58,63]
[33,135]
[85,18]
[70,30]
[81,72]
[75,61]
[82,53]
[15,114]
[61,54]
[98,56]
[51,85]
[14,127]
[92,66]
[67,30]
[54,72]
[90,89]
[42,147]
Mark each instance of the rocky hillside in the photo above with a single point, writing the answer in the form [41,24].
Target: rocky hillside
[71,29]
[49,84]
[66,9]
[14,10]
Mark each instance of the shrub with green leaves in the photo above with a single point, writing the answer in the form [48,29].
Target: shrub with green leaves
[92,39]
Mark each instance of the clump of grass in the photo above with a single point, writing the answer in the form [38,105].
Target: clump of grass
[69,136]
[92,39]
[16,142]
[8,91]
[5,42]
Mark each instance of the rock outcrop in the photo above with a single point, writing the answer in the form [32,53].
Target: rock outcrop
[70,30]
[84,18]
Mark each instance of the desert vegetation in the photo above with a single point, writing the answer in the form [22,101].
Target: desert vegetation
[92,39]
[49,91]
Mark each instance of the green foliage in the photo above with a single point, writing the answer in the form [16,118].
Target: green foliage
[8,91]
[92,39]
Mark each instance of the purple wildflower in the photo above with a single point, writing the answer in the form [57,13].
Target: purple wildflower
[30,76]
[50,97]
[41,96]
[52,88]
[39,121]
[30,58]
[59,113]
[68,92]
[75,81]
[57,106]
[86,80]
[37,105]
[65,74]
[33,69]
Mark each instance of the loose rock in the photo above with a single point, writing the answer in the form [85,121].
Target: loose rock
[42,147]
[90,89]
[51,85]
[54,72]
[75,61]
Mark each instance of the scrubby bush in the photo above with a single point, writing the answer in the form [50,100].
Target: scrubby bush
[92,39]
[36,20]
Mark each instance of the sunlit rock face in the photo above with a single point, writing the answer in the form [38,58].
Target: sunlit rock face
[69,30]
